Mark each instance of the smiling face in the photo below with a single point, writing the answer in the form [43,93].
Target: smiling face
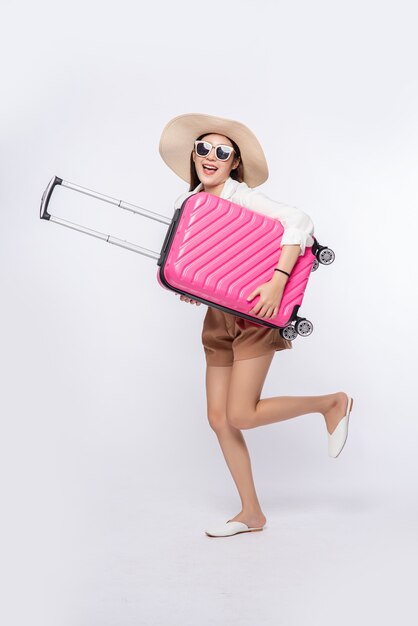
[212,172]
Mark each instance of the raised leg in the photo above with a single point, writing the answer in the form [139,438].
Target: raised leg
[246,410]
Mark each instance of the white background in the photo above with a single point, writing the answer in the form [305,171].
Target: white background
[109,469]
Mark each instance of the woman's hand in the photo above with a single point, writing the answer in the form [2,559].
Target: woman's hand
[186,299]
[270,297]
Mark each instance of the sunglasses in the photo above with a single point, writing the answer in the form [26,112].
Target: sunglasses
[203,148]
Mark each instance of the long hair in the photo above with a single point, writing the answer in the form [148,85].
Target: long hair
[236,174]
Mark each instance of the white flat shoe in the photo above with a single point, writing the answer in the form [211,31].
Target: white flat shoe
[230,528]
[337,439]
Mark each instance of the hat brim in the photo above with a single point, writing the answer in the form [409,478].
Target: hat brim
[177,143]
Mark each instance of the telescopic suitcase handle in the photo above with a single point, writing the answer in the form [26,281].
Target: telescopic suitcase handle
[46,196]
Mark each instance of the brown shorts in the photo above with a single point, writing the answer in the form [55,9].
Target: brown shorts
[227,338]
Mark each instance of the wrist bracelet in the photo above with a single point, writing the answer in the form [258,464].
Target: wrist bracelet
[277,270]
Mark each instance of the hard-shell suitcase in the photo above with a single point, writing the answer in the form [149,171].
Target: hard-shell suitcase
[217,252]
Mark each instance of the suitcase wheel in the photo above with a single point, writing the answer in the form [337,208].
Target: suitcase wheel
[315,265]
[289,332]
[304,327]
[326,256]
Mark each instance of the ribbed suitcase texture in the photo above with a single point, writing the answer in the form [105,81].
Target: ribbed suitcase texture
[218,252]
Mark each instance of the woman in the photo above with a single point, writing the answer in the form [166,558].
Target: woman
[224,158]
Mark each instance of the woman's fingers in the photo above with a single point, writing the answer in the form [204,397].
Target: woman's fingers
[264,310]
[189,300]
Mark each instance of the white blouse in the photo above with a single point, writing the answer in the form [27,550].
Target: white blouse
[298,226]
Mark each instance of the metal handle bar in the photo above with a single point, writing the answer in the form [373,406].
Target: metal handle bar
[46,196]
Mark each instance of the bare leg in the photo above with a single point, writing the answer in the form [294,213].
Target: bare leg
[233,401]
[245,409]
[233,445]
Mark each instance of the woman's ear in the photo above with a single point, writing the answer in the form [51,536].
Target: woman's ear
[237,160]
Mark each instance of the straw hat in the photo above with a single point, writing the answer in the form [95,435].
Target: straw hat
[178,137]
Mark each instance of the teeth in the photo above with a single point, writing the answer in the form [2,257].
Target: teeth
[209,168]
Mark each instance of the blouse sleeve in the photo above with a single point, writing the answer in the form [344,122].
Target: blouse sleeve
[298,226]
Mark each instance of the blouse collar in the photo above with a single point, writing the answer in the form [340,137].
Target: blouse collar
[229,187]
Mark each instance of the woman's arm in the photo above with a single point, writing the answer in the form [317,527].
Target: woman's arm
[298,226]
[271,293]
[288,257]
[298,231]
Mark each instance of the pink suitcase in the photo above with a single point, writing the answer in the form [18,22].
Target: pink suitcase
[217,252]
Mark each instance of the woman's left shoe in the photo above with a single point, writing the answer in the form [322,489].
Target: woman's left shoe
[337,439]
[230,528]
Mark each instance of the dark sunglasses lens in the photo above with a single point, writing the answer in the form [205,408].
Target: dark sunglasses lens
[223,152]
[202,148]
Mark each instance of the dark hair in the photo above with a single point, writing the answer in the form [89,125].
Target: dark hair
[236,174]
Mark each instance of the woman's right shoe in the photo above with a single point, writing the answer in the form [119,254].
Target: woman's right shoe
[337,439]
[230,528]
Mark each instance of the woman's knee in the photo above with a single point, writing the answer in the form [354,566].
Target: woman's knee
[239,416]
[217,420]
